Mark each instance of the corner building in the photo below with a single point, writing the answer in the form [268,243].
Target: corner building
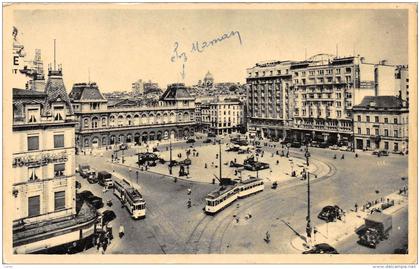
[45,216]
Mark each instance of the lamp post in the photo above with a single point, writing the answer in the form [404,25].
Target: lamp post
[220,159]
[307,155]
[308,217]
[170,156]
[137,177]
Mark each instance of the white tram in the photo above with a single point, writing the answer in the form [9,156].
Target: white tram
[221,198]
[250,186]
[130,197]
[226,195]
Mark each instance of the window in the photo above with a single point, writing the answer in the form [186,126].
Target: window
[368,118]
[376,131]
[103,122]
[359,118]
[386,145]
[59,113]
[34,206]
[33,143]
[338,114]
[376,118]
[86,123]
[367,131]
[386,132]
[59,141]
[386,120]
[368,143]
[338,104]
[395,120]
[338,95]
[33,115]
[395,133]
[59,200]
[59,169]
[338,71]
[33,173]
[395,146]
[359,130]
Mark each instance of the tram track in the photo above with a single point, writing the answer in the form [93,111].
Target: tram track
[255,202]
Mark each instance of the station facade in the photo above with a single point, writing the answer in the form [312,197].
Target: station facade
[102,124]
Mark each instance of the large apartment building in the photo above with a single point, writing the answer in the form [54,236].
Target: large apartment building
[45,215]
[267,108]
[313,99]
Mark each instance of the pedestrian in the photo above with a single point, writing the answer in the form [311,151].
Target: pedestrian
[356,155]
[121,231]
[342,157]
[189,191]
[277,162]
[355,207]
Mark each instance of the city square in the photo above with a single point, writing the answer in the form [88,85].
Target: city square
[280,211]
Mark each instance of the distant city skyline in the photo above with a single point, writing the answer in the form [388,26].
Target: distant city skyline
[118,47]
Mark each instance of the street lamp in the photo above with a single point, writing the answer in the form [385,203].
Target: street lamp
[170,156]
[137,177]
[307,155]
[308,217]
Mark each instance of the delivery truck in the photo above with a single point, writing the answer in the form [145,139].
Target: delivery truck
[377,228]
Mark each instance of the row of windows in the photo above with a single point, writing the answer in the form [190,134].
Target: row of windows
[376,119]
[271,73]
[33,142]
[386,133]
[34,203]
[34,173]
[33,115]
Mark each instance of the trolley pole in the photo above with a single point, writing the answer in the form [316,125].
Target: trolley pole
[220,160]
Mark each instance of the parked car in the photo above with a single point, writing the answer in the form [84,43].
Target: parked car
[323,145]
[330,213]
[315,144]
[344,148]
[380,153]
[321,249]
[333,147]
[208,140]
[190,140]
[92,179]
[83,169]
[295,144]
[376,229]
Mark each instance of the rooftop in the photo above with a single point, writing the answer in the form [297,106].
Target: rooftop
[176,91]
[378,102]
[86,91]
[28,93]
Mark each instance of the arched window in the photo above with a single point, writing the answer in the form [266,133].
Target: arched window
[103,122]
[86,123]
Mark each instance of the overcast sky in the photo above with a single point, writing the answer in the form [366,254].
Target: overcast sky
[121,46]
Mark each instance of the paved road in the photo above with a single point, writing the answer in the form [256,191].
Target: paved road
[398,238]
[170,227]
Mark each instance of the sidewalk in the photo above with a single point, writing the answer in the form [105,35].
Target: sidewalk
[334,232]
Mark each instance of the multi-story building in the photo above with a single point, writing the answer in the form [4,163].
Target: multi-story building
[269,86]
[101,124]
[137,87]
[224,116]
[402,83]
[325,90]
[45,215]
[381,123]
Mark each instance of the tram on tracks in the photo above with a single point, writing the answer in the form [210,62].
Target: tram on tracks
[130,198]
[219,199]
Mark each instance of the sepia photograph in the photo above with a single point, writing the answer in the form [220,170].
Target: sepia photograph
[209,133]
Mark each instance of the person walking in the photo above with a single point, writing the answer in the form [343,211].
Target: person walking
[121,231]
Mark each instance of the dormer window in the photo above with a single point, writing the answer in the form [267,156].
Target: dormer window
[372,103]
[33,115]
[58,112]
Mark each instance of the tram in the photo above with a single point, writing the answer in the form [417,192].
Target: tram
[219,199]
[250,186]
[130,197]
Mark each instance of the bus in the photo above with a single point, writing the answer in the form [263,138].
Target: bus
[250,186]
[130,197]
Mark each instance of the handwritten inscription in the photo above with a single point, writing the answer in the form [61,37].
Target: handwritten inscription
[179,55]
